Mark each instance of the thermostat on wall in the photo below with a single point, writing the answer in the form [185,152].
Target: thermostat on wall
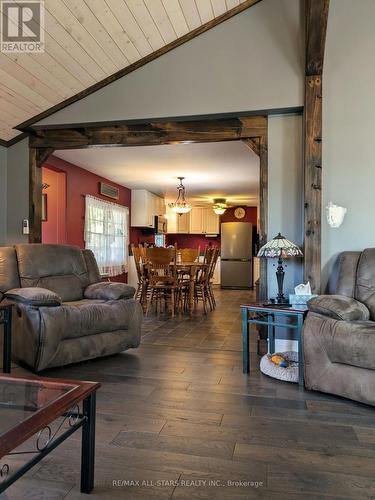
[25,226]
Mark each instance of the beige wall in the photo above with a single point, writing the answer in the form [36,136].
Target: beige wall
[253,61]
[348,126]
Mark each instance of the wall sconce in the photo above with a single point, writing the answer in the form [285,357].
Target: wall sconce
[335,214]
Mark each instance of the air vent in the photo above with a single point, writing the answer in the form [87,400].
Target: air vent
[109,191]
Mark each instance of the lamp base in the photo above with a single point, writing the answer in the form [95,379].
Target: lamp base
[282,300]
[274,305]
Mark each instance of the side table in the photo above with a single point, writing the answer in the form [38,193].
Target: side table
[6,320]
[259,314]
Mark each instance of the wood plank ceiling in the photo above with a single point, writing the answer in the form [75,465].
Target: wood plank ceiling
[88,40]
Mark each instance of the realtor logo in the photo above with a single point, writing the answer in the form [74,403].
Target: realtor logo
[22,26]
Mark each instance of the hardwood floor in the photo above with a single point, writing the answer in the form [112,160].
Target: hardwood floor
[178,419]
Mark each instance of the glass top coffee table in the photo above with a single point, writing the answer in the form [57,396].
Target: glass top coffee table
[44,412]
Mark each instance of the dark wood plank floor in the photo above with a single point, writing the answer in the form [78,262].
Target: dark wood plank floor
[178,419]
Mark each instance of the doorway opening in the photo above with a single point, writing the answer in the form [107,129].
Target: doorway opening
[252,129]
[144,179]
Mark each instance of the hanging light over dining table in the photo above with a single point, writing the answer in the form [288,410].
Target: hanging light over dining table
[180,206]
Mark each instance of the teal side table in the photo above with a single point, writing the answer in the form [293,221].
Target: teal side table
[258,314]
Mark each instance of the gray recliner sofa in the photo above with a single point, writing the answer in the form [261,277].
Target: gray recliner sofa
[64,313]
[339,331]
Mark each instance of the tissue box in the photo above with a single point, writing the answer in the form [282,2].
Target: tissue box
[300,300]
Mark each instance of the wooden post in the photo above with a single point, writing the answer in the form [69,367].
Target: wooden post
[263,209]
[316,28]
[313,180]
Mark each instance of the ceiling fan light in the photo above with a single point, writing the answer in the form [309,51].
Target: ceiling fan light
[219,210]
[219,206]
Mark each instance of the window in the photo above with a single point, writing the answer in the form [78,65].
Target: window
[160,240]
[107,234]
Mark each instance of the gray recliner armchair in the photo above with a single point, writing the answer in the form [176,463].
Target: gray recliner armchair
[339,331]
[64,313]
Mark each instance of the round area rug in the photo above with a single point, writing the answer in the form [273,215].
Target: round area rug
[288,374]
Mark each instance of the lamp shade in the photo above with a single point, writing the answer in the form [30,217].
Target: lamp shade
[279,246]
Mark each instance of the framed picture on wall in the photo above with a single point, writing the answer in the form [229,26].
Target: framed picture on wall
[44,207]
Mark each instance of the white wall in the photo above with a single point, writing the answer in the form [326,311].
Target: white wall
[348,126]
[3,194]
[253,61]
[17,191]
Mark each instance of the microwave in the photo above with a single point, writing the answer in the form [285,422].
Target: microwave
[161,224]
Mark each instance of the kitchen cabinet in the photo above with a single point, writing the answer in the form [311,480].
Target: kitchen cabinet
[144,207]
[200,220]
[159,205]
[211,221]
[177,223]
[183,223]
[203,220]
[196,220]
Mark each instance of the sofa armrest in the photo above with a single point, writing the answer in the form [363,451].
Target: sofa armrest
[34,296]
[339,307]
[108,290]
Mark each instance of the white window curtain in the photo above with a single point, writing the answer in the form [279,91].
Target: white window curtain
[107,234]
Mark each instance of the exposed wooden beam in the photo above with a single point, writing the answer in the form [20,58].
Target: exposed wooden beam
[24,126]
[253,144]
[316,27]
[151,133]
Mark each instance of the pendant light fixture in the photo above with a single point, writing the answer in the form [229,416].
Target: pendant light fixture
[180,206]
[219,206]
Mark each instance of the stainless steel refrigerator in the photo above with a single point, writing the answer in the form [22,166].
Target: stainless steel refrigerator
[236,255]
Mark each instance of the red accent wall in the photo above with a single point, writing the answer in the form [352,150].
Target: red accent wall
[191,241]
[80,182]
[251,215]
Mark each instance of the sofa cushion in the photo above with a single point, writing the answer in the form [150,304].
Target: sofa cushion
[59,268]
[92,266]
[89,317]
[107,290]
[36,297]
[349,342]
[365,287]
[339,307]
[8,270]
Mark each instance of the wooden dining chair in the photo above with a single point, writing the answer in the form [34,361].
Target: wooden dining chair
[142,286]
[189,254]
[201,288]
[211,271]
[162,278]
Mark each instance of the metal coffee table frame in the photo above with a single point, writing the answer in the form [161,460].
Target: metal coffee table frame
[39,424]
